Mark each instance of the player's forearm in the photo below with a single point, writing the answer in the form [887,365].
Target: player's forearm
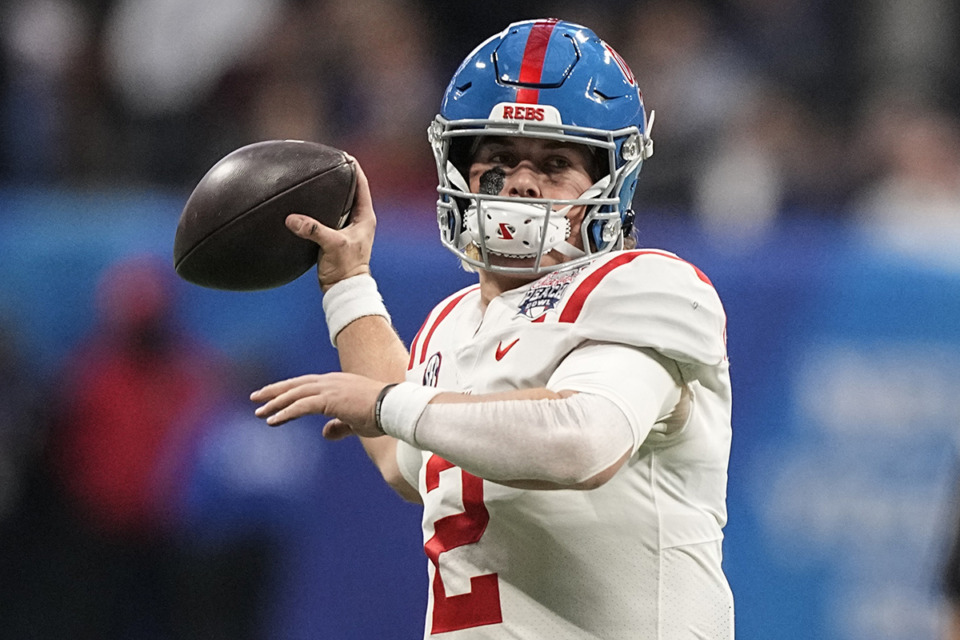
[369,346]
[538,393]
[534,438]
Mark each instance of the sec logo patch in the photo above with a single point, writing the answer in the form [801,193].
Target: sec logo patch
[432,371]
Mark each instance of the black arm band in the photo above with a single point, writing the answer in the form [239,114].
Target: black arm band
[379,405]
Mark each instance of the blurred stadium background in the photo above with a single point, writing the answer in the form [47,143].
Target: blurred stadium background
[807,158]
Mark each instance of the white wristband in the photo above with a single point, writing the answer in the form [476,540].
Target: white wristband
[349,299]
[401,408]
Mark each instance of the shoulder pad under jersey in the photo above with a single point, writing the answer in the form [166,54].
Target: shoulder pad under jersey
[649,298]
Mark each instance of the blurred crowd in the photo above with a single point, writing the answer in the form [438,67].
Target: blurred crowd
[765,108]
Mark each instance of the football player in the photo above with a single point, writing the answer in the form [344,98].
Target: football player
[565,422]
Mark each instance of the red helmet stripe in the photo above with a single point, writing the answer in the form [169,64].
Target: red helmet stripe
[533,55]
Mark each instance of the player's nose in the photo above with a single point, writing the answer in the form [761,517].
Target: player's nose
[522,182]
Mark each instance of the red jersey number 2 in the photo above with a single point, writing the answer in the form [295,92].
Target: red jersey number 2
[482,604]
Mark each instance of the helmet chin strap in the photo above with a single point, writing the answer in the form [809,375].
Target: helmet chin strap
[568,250]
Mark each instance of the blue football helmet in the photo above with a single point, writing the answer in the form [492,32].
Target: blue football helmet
[544,79]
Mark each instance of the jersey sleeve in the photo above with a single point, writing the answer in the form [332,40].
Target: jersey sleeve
[421,341]
[651,299]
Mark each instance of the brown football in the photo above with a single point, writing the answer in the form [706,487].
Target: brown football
[231,233]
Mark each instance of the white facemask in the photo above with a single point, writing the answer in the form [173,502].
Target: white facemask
[515,229]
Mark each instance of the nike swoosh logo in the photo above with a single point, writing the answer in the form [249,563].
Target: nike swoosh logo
[502,350]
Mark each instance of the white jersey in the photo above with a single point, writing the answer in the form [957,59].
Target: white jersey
[638,557]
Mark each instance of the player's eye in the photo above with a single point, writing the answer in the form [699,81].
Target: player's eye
[558,163]
[500,157]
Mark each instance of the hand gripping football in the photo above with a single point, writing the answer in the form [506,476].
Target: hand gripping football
[231,234]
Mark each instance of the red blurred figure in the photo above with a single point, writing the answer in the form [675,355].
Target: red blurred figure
[129,407]
[130,394]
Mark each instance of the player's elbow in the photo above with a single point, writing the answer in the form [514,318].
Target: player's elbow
[383,453]
[601,478]
[569,476]
[579,466]
[398,483]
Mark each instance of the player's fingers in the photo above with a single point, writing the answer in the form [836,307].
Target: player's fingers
[302,407]
[276,388]
[290,397]
[336,430]
[362,201]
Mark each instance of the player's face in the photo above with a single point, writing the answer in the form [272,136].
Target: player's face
[535,168]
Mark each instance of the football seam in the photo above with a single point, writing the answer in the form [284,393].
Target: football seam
[255,207]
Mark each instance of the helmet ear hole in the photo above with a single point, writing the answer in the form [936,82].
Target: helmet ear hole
[627,225]
[601,164]
[595,233]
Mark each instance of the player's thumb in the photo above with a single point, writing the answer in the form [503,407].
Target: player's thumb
[305,227]
[336,430]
